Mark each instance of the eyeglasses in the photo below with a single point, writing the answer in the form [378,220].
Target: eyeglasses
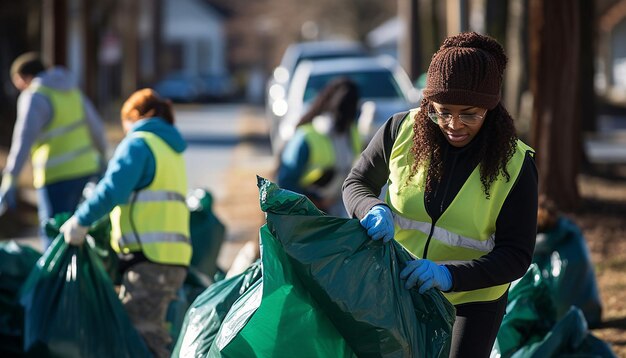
[446,118]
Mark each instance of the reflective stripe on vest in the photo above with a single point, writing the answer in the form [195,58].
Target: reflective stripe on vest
[444,236]
[466,229]
[156,219]
[322,152]
[65,149]
[151,238]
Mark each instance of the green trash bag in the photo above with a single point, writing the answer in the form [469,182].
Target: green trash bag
[357,282]
[16,263]
[71,309]
[564,260]
[277,317]
[206,232]
[569,337]
[176,313]
[530,313]
[100,232]
[204,317]
[530,327]
[195,283]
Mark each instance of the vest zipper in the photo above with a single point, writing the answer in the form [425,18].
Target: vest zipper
[445,194]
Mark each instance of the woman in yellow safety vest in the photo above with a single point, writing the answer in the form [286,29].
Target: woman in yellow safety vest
[144,191]
[317,159]
[461,190]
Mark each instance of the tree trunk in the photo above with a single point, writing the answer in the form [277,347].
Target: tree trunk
[517,50]
[130,47]
[409,49]
[430,34]
[587,69]
[496,12]
[555,84]
[54,32]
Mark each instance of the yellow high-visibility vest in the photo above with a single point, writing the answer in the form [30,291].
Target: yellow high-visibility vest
[322,152]
[156,218]
[465,230]
[65,149]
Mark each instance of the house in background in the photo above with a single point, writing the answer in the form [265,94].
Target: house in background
[611,59]
[193,37]
[194,52]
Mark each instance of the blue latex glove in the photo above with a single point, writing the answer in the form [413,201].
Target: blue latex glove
[379,223]
[428,274]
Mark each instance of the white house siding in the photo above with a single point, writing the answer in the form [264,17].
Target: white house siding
[199,29]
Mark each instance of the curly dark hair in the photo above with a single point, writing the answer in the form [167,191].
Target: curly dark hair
[497,144]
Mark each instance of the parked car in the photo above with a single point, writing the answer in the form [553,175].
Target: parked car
[384,89]
[278,84]
[218,87]
[186,88]
[180,87]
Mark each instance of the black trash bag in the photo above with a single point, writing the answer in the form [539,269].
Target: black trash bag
[356,280]
[530,327]
[71,309]
[564,260]
[204,318]
[206,231]
[16,263]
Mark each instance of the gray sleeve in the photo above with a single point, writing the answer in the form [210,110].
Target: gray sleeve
[371,171]
[96,127]
[34,112]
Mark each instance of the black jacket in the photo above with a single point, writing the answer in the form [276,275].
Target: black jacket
[516,225]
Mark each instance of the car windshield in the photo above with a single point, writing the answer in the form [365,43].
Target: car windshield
[371,84]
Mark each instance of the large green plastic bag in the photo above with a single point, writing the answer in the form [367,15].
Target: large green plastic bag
[564,260]
[71,309]
[16,263]
[357,281]
[204,317]
[100,232]
[206,232]
[277,317]
[530,327]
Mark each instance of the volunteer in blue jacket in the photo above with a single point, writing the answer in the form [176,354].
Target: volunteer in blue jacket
[462,190]
[318,158]
[144,191]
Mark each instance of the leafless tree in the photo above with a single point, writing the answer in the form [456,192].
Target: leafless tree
[555,82]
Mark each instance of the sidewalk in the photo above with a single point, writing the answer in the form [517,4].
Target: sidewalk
[608,145]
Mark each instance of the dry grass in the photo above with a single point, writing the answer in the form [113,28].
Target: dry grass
[602,218]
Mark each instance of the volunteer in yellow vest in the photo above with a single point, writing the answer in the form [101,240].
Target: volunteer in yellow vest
[462,190]
[316,161]
[144,191]
[59,127]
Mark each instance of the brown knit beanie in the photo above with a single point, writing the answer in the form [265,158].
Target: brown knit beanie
[466,70]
